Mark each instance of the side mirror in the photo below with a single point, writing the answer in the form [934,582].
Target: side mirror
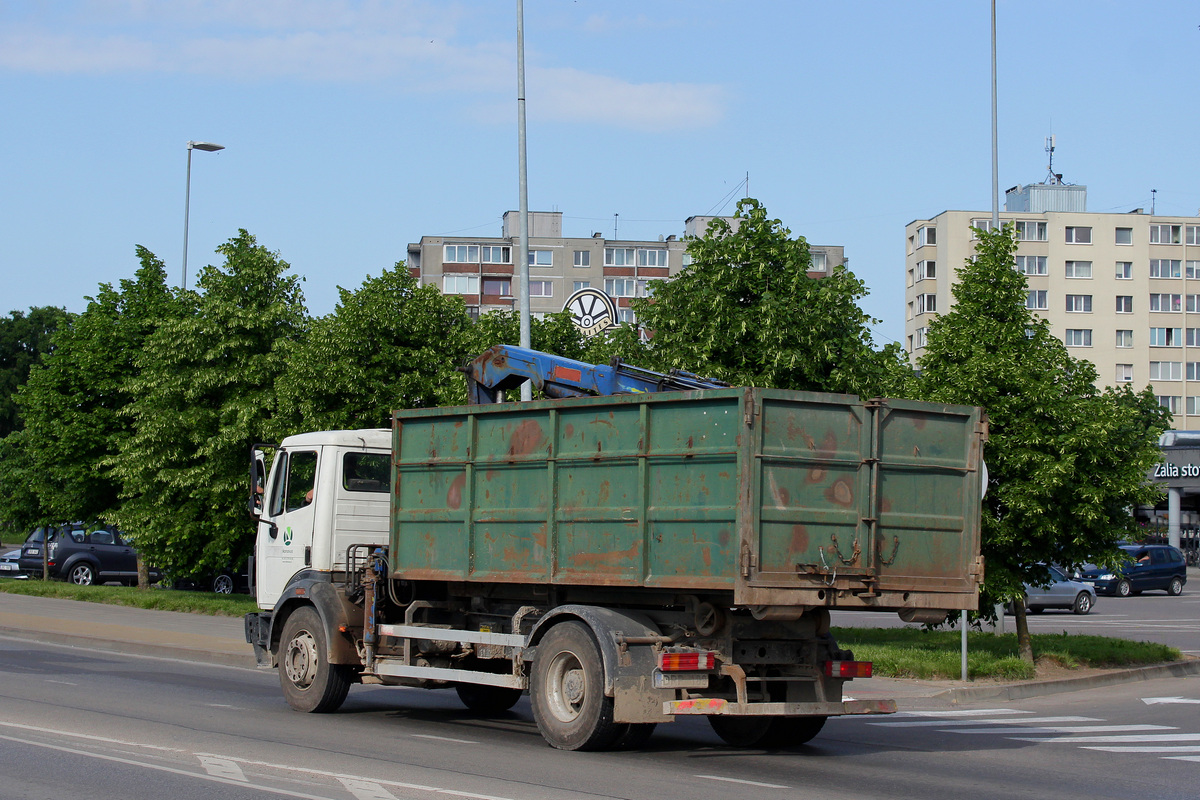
[272,529]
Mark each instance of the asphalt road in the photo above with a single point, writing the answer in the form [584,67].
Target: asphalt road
[83,724]
[1151,617]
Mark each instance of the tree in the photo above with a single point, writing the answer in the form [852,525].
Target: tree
[1066,462]
[72,402]
[745,311]
[24,340]
[20,506]
[389,344]
[205,392]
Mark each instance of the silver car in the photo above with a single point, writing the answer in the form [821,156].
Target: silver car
[9,568]
[1061,592]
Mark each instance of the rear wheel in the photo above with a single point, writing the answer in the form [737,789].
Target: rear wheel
[1037,609]
[1083,603]
[635,735]
[767,732]
[82,574]
[1123,588]
[1175,587]
[567,691]
[794,731]
[487,699]
[310,683]
[223,584]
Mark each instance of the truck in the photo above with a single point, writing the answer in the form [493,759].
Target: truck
[634,548]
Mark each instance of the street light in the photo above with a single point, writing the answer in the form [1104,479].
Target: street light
[208,147]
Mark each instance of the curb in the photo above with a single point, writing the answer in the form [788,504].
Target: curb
[135,648]
[1019,691]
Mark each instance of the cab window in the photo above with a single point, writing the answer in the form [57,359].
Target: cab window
[302,479]
[278,486]
[366,472]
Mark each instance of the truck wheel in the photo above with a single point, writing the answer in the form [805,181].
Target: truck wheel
[1175,587]
[82,574]
[487,699]
[310,683]
[1123,588]
[223,584]
[567,691]
[741,731]
[793,731]
[635,735]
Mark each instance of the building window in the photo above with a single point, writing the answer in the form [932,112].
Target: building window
[1036,299]
[497,286]
[926,303]
[583,258]
[1165,302]
[1193,234]
[577,285]
[1124,373]
[460,254]
[1079,269]
[1124,304]
[460,284]
[1168,401]
[496,254]
[1124,338]
[1164,267]
[918,338]
[1166,337]
[926,270]
[473,312]
[819,262]
[541,289]
[927,235]
[1192,303]
[1031,231]
[1193,370]
[1166,370]
[620,287]
[1031,265]
[1078,337]
[1124,270]
[1124,235]
[541,258]
[652,258]
[1193,337]
[626,316]
[1193,269]
[1077,235]
[983,225]
[1079,303]
[1165,234]
[618,256]
[1193,404]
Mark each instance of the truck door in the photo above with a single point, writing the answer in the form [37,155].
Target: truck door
[285,532]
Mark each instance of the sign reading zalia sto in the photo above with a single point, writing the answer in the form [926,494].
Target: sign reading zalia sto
[592,311]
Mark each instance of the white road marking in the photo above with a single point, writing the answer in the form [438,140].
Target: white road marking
[1148,737]
[1183,758]
[222,768]
[104,739]
[1153,701]
[1064,729]
[1183,748]
[366,790]
[64,683]
[442,738]
[224,705]
[744,783]
[966,712]
[1008,721]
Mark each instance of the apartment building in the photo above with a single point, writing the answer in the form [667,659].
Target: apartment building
[1121,290]
[480,269]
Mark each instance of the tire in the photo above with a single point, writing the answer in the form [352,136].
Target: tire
[1175,587]
[1037,609]
[1082,604]
[567,691]
[794,731]
[223,584]
[310,683]
[487,699]
[741,731]
[635,736]
[82,574]
[1123,589]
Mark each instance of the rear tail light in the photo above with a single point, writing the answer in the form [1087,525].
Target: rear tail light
[848,669]
[688,661]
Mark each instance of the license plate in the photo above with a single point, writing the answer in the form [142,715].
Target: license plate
[33,551]
[6,566]
[681,680]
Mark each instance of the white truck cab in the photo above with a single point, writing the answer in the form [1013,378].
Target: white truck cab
[327,490]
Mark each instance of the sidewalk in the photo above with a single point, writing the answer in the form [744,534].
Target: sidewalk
[221,640]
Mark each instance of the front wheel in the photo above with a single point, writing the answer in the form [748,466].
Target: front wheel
[566,691]
[1083,603]
[310,683]
[1123,588]
[1175,587]
[223,584]
[82,575]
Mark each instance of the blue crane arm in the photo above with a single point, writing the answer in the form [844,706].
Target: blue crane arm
[505,367]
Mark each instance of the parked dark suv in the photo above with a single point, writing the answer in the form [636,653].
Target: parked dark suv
[82,556]
[1150,566]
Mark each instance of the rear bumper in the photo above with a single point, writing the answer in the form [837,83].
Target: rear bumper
[710,706]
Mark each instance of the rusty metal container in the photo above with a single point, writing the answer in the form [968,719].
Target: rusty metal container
[770,499]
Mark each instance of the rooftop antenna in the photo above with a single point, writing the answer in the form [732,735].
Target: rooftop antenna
[615,216]
[1153,198]
[1054,179]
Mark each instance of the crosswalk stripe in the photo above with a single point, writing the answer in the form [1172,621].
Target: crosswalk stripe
[1063,729]
[1161,750]
[366,790]
[1006,721]
[222,768]
[966,712]
[1146,737]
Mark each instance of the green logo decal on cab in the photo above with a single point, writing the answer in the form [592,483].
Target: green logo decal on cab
[287,536]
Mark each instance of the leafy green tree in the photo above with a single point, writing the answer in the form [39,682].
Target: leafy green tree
[1066,462]
[73,401]
[20,505]
[205,392]
[24,340]
[745,311]
[389,344]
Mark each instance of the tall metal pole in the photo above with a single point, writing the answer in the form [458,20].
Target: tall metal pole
[523,247]
[187,200]
[995,133]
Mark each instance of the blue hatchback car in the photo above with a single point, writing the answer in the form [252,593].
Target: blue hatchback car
[1149,567]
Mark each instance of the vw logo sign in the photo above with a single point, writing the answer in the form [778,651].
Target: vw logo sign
[592,311]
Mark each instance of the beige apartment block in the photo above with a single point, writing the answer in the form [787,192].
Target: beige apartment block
[480,269]
[1120,290]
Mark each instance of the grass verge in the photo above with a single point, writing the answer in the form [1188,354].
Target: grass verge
[220,605]
[935,655]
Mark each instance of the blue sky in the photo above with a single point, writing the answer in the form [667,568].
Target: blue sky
[353,128]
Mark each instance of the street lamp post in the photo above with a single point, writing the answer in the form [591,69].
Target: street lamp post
[208,147]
